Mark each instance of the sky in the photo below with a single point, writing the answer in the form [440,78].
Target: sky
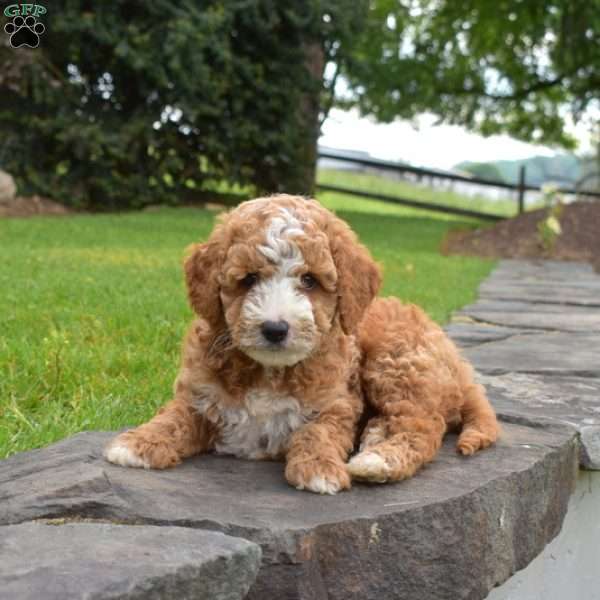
[437,146]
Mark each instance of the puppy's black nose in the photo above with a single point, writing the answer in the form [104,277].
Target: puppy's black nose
[275,331]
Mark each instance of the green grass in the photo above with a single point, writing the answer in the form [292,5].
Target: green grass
[402,189]
[93,308]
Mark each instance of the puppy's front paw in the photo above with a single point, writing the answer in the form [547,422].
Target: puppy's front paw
[133,449]
[119,453]
[369,466]
[319,476]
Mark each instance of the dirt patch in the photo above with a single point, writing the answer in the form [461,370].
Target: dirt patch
[29,206]
[519,237]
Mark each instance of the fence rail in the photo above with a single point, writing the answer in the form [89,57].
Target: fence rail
[413,203]
[521,188]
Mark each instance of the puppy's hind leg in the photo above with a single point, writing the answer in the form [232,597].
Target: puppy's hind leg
[409,382]
[394,447]
[480,428]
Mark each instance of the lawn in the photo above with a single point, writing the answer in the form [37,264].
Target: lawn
[93,308]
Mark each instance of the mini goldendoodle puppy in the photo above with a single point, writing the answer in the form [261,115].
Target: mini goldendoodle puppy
[291,348]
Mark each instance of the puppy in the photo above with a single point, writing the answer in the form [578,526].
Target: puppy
[291,347]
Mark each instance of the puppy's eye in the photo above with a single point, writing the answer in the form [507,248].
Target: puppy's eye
[309,281]
[249,280]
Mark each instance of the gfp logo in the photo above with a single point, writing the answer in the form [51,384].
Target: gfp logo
[24,29]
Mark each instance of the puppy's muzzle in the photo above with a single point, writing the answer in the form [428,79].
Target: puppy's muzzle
[275,331]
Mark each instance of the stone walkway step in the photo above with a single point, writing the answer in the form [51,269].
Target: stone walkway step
[534,338]
[459,524]
[67,561]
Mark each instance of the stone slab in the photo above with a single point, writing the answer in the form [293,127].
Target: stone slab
[543,271]
[569,293]
[65,561]
[527,315]
[569,566]
[545,376]
[589,436]
[548,353]
[467,332]
[548,368]
[531,399]
[455,530]
[567,399]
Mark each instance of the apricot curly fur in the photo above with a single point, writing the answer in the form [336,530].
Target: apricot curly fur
[415,378]
[366,353]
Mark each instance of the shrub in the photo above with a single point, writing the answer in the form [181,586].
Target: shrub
[129,103]
[549,228]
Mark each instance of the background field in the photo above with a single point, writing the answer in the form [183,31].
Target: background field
[93,307]
[505,205]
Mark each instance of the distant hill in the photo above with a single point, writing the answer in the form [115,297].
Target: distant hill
[487,171]
[563,169]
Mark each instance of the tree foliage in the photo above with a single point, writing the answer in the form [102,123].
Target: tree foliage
[515,66]
[128,103]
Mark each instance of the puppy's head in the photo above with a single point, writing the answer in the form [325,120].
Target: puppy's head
[277,275]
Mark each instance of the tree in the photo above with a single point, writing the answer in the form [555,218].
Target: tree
[515,66]
[127,103]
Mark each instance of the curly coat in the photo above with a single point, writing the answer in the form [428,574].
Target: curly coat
[347,354]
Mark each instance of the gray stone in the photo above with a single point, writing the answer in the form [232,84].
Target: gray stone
[467,332]
[549,353]
[543,282]
[568,568]
[526,315]
[534,399]
[590,446]
[8,189]
[533,377]
[455,530]
[543,271]
[570,293]
[64,561]
[565,399]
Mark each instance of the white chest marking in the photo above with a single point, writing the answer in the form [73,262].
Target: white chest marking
[261,428]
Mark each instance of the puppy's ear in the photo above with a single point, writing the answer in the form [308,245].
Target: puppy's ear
[201,268]
[359,277]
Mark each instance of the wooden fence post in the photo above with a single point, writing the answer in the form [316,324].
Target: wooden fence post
[521,196]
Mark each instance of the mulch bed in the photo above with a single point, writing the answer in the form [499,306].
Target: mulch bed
[518,237]
[29,206]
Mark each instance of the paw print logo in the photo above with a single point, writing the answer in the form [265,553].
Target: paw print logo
[24,31]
